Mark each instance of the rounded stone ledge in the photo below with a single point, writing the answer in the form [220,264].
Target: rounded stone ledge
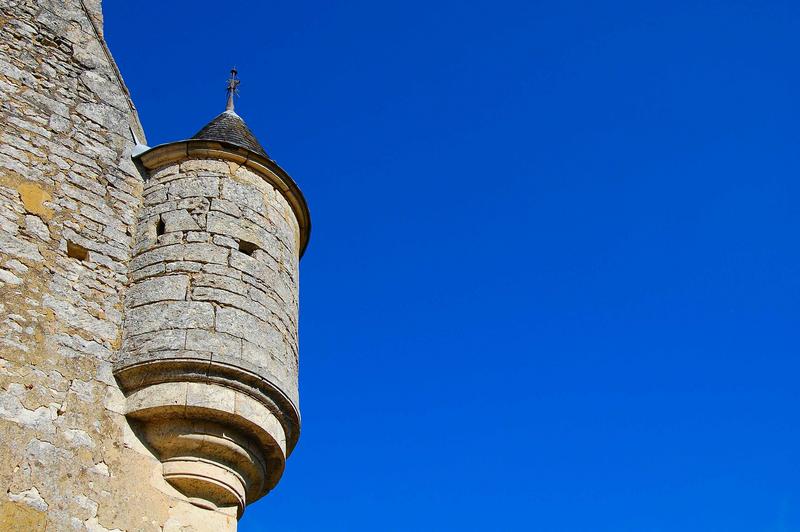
[147,370]
[167,154]
[168,398]
[221,486]
[219,447]
[132,369]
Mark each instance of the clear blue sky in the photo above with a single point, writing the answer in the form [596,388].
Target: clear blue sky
[553,282]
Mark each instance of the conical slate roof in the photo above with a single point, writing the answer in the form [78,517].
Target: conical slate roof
[229,127]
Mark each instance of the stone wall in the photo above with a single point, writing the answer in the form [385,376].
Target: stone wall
[69,198]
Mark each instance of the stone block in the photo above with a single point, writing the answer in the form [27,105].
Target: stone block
[220,344]
[243,195]
[9,278]
[166,288]
[194,205]
[253,411]
[240,229]
[164,395]
[258,219]
[35,226]
[170,315]
[228,207]
[104,89]
[169,253]
[206,253]
[205,186]
[103,115]
[164,171]
[239,323]
[179,220]
[266,300]
[226,241]
[252,267]
[247,177]
[156,196]
[220,269]
[246,326]
[222,224]
[205,165]
[223,282]
[19,248]
[272,368]
[184,266]
[224,297]
[201,395]
[197,236]
[170,238]
[19,516]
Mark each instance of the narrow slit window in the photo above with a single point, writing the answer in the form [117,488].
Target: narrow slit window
[160,227]
[247,247]
[76,251]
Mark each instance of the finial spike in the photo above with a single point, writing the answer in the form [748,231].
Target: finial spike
[233,89]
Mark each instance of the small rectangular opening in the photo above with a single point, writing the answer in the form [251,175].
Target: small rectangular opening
[247,247]
[76,251]
[160,227]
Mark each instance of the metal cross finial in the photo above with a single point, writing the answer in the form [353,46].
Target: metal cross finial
[233,89]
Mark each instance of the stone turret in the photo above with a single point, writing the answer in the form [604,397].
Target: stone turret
[209,359]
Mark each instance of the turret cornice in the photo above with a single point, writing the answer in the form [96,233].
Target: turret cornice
[173,152]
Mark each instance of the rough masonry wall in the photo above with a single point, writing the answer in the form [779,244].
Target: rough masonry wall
[69,197]
[215,272]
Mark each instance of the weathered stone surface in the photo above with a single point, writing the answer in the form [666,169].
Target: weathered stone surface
[179,220]
[69,459]
[148,271]
[222,282]
[238,228]
[243,195]
[166,288]
[207,253]
[184,266]
[271,367]
[161,254]
[9,278]
[210,166]
[170,238]
[194,186]
[228,207]
[244,325]
[161,340]
[169,315]
[225,241]
[19,248]
[21,517]
[197,236]
[87,284]
[37,227]
[219,344]
[252,267]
